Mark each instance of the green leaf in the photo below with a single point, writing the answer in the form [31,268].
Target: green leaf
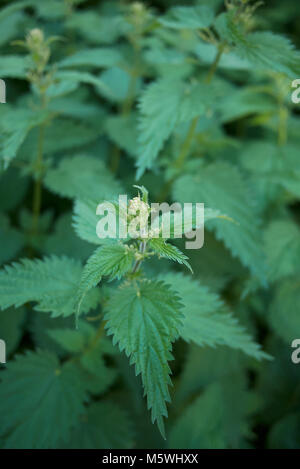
[9,197]
[122,130]
[16,6]
[198,17]
[270,52]
[144,320]
[206,365]
[13,66]
[285,433]
[40,401]
[98,29]
[85,221]
[60,136]
[285,309]
[11,240]
[244,102]
[11,331]
[72,340]
[180,224]
[218,418]
[113,261]
[282,247]
[10,25]
[117,84]
[89,346]
[83,177]
[264,50]
[101,57]
[199,425]
[207,320]
[163,105]
[16,125]
[168,251]
[104,426]
[221,185]
[51,282]
[97,376]
[76,77]
[63,240]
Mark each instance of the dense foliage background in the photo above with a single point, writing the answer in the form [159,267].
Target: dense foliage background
[194,103]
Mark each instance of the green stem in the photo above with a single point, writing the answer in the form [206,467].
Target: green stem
[191,133]
[138,263]
[215,63]
[37,194]
[186,144]
[115,159]
[179,162]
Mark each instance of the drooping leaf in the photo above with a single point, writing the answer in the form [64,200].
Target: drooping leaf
[145,320]
[168,251]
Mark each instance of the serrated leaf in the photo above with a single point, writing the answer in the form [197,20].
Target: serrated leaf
[83,177]
[85,221]
[52,401]
[122,130]
[207,320]
[51,282]
[13,66]
[220,185]
[282,247]
[271,52]
[164,104]
[63,241]
[101,57]
[168,251]
[98,29]
[16,125]
[60,136]
[77,77]
[113,261]
[284,310]
[188,17]
[145,320]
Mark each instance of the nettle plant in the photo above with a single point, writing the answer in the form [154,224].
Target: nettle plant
[194,103]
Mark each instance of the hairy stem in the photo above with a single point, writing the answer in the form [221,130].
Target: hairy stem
[138,263]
